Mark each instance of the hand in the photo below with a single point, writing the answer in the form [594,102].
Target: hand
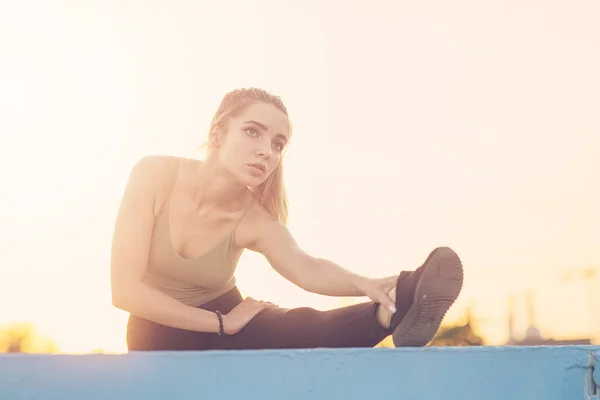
[379,290]
[238,318]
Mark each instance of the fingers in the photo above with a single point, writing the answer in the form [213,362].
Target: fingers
[260,304]
[386,293]
[241,314]
[392,295]
[387,302]
[268,304]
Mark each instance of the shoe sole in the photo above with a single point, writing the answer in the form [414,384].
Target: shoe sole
[437,289]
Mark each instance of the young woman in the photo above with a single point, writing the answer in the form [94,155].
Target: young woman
[183,224]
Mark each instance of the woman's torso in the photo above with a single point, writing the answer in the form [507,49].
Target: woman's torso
[193,254]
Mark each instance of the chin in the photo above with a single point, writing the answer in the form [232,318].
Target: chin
[251,182]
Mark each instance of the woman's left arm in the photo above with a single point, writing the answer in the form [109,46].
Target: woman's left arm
[316,275]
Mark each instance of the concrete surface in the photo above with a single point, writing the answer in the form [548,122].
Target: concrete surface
[488,373]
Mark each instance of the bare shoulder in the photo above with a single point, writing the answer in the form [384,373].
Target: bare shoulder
[257,226]
[151,177]
[153,166]
[157,169]
[264,234]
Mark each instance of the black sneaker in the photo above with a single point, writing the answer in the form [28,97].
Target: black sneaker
[424,296]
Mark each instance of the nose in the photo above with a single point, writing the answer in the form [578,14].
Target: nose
[264,149]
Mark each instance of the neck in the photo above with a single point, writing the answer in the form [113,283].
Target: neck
[214,186]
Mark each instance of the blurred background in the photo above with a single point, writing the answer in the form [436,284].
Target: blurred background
[467,124]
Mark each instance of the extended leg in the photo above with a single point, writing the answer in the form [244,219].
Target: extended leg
[423,297]
[352,326]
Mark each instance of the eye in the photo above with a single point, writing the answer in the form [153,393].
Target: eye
[252,132]
[278,146]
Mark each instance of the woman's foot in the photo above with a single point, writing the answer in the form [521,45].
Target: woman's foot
[423,297]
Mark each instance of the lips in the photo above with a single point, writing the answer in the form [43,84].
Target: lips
[259,167]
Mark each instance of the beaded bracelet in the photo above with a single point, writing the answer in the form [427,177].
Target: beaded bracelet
[220,316]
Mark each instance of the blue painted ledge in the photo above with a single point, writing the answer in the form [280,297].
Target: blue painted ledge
[487,373]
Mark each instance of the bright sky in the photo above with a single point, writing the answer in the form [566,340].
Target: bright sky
[416,124]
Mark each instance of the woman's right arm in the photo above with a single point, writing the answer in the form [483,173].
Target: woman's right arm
[129,256]
[129,259]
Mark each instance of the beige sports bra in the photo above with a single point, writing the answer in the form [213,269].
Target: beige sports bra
[192,281]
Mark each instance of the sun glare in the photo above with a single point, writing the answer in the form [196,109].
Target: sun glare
[412,132]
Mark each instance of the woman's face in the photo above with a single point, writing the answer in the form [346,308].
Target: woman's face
[252,145]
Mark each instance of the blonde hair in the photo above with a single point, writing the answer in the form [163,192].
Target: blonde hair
[271,193]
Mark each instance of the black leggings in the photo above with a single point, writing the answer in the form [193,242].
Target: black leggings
[278,328]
